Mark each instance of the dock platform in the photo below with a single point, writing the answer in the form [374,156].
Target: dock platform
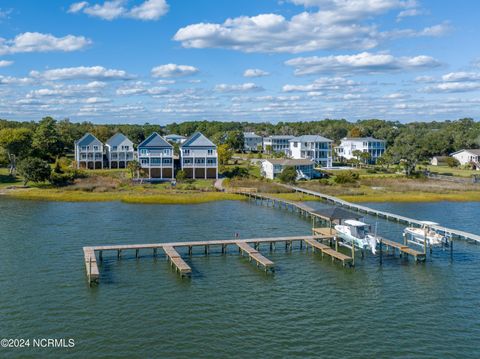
[403,249]
[91,265]
[256,256]
[180,265]
[324,249]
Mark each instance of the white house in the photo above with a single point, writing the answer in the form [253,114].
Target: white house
[155,155]
[199,157]
[119,150]
[349,145]
[468,157]
[312,147]
[89,152]
[175,138]
[277,143]
[271,168]
[252,141]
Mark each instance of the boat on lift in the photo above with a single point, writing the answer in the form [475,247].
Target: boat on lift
[357,233]
[425,234]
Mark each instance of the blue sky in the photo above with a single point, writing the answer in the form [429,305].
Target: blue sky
[162,61]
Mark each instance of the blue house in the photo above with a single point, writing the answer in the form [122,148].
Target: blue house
[89,152]
[199,157]
[155,155]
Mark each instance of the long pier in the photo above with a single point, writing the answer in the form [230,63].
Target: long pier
[244,246]
[387,215]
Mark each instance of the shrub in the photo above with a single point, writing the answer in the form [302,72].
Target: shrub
[181,176]
[288,175]
[237,171]
[452,162]
[346,177]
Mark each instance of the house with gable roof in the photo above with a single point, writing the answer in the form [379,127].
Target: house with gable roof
[89,152]
[198,157]
[155,155]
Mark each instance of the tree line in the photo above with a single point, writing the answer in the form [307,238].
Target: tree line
[410,143]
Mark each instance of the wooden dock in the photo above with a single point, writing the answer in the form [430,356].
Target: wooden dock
[256,256]
[402,249]
[175,258]
[449,232]
[325,249]
[180,265]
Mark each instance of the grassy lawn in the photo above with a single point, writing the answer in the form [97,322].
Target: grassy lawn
[6,180]
[449,171]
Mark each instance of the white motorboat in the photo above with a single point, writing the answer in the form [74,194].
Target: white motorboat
[357,233]
[418,235]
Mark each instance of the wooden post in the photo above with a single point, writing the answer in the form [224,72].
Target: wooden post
[154,252]
[353,253]
[119,252]
[136,253]
[100,255]
[381,251]
[336,243]
[451,249]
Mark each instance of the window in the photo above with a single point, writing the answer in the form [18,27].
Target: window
[114,148]
[295,144]
[187,161]
[143,151]
[211,161]
[84,148]
[186,152]
[95,148]
[200,161]
[125,148]
[210,152]
[167,161]
[144,161]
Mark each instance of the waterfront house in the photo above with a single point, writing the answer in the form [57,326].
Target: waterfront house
[173,138]
[312,147]
[277,143]
[199,157]
[155,155]
[468,157]
[252,142]
[89,152]
[119,151]
[271,168]
[348,146]
[439,160]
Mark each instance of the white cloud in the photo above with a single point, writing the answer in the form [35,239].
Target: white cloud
[97,100]
[173,70]
[362,62]
[82,72]
[339,24]
[255,73]
[9,80]
[454,82]
[149,10]
[324,83]
[114,9]
[409,13]
[142,88]
[246,87]
[5,63]
[38,42]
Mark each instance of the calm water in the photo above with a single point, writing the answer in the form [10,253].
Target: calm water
[308,309]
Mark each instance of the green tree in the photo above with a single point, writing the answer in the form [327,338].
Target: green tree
[17,144]
[134,168]
[452,162]
[34,170]
[181,176]
[46,140]
[224,154]
[407,150]
[365,157]
[288,175]
[235,140]
[358,155]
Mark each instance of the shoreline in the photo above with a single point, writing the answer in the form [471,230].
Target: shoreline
[54,195]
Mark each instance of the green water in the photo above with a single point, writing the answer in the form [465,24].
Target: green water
[310,308]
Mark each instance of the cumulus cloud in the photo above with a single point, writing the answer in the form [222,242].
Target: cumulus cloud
[173,70]
[114,9]
[255,73]
[323,84]
[454,82]
[246,87]
[339,24]
[362,62]
[38,42]
[5,63]
[142,88]
[81,72]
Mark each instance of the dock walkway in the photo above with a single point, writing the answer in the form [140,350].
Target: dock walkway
[170,250]
[402,248]
[324,249]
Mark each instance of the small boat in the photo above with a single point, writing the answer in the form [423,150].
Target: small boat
[357,232]
[418,235]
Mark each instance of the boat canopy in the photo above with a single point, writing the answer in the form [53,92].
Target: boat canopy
[429,223]
[353,223]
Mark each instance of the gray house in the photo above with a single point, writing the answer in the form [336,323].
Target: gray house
[199,157]
[89,152]
[252,141]
[155,155]
[119,151]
